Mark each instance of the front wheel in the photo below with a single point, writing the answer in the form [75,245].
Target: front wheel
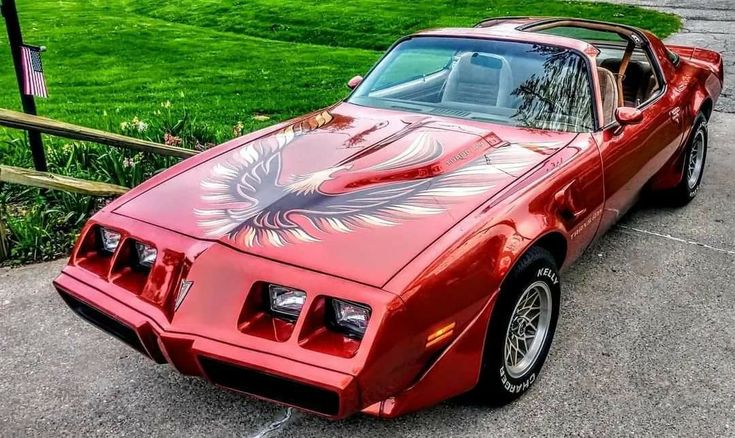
[521,329]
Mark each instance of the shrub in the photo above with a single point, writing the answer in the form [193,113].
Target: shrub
[38,225]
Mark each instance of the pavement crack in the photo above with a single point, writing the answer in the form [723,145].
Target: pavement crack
[677,239]
[276,426]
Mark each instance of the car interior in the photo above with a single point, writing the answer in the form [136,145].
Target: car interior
[506,85]
[627,76]
[469,81]
[488,86]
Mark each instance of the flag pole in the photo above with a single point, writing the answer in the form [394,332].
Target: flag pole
[15,38]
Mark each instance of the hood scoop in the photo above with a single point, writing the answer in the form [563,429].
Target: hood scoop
[423,149]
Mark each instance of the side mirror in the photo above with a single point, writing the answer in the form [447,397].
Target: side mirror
[628,116]
[354,82]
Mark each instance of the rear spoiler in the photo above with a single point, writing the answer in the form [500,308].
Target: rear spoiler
[708,59]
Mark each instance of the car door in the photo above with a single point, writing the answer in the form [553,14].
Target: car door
[633,153]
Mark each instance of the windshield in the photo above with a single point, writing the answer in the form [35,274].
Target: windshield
[520,84]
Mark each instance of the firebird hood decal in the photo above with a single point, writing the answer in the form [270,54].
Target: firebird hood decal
[352,192]
[247,202]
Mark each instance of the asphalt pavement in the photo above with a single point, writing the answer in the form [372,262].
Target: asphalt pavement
[709,24]
[645,343]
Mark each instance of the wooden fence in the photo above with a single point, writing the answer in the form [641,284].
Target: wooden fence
[47,180]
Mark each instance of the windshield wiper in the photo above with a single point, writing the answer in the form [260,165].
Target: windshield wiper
[489,118]
[406,107]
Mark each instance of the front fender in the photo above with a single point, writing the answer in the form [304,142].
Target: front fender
[454,282]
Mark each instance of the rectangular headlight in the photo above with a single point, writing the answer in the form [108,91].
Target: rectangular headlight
[109,240]
[146,254]
[285,301]
[350,318]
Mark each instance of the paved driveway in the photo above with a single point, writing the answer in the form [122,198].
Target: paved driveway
[645,343]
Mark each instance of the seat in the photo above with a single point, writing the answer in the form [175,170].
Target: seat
[609,93]
[479,79]
[639,81]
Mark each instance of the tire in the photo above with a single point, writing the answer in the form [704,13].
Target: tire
[691,180]
[500,380]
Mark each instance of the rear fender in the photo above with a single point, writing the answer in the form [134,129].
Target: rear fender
[708,59]
[702,98]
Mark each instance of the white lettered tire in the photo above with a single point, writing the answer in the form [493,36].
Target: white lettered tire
[521,328]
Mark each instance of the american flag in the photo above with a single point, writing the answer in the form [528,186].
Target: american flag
[33,82]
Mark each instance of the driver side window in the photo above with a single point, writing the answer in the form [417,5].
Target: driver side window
[640,80]
[628,75]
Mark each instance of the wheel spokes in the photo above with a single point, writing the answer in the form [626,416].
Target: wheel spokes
[527,327]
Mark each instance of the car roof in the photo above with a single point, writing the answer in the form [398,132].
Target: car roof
[524,29]
[511,35]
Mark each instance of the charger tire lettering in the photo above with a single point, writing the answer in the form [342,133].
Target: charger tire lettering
[514,389]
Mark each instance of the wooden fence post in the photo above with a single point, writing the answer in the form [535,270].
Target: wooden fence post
[4,241]
[15,38]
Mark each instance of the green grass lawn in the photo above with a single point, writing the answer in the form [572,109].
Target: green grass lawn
[375,24]
[228,60]
[220,61]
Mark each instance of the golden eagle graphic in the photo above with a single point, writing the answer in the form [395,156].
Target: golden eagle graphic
[247,202]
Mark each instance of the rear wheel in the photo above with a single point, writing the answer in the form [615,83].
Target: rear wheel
[695,156]
[521,329]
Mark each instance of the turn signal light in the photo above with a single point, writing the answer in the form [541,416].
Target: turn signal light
[440,335]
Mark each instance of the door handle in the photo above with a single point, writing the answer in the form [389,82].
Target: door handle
[568,208]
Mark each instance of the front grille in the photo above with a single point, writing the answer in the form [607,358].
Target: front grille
[271,387]
[103,322]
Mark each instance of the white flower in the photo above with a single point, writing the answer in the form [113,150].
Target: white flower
[139,124]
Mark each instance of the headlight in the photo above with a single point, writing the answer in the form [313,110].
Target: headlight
[110,239]
[146,254]
[285,301]
[350,318]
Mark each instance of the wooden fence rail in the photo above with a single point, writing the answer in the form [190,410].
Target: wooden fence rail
[45,180]
[14,119]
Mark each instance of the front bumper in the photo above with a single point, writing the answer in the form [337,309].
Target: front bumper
[321,391]
[219,330]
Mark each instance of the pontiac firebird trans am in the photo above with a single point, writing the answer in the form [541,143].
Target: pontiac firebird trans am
[404,245]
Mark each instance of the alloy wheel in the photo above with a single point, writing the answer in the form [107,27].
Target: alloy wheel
[527,329]
[696,160]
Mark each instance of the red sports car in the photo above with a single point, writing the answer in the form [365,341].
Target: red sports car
[404,245]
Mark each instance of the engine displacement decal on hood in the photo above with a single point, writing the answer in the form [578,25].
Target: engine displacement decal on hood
[247,201]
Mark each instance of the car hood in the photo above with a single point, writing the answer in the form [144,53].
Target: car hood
[351,191]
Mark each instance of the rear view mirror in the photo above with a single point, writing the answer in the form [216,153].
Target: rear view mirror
[628,116]
[354,82]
